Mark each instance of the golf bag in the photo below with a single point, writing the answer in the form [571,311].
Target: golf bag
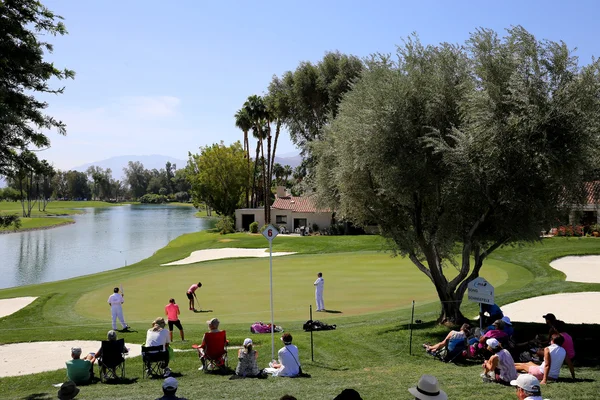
[311,325]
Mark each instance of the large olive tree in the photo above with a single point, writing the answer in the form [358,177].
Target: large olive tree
[478,145]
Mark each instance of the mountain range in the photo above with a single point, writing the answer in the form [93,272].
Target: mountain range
[158,161]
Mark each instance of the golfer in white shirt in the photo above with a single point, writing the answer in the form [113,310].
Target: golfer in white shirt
[319,283]
[115,301]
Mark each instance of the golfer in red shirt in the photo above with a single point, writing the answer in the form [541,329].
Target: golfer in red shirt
[172,313]
[191,293]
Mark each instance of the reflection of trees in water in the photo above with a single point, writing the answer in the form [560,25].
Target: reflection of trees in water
[33,258]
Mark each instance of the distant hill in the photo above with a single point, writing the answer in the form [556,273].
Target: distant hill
[116,164]
[293,160]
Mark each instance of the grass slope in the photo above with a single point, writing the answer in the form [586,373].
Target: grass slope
[369,352]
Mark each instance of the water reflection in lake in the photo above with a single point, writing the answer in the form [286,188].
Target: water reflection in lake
[100,240]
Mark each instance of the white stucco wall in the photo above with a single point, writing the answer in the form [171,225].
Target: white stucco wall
[323,220]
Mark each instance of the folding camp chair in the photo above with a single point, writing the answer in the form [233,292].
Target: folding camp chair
[454,355]
[155,360]
[215,351]
[111,362]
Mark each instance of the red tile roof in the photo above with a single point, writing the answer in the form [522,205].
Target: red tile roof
[592,192]
[297,204]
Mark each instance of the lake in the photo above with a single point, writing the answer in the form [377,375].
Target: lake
[99,240]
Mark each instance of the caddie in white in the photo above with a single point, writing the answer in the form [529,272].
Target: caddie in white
[115,301]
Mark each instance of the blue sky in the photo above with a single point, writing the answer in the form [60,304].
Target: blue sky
[156,77]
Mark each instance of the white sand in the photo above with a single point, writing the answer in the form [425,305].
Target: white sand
[10,306]
[217,254]
[574,308]
[579,269]
[30,358]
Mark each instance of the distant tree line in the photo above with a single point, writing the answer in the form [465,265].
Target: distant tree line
[37,182]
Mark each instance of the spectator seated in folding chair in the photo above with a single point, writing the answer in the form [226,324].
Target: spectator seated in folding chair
[452,347]
[155,354]
[110,357]
[213,350]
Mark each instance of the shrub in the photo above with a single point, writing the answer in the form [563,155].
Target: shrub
[595,228]
[225,225]
[182,197]
[254,227]
[153,199]
[315,228]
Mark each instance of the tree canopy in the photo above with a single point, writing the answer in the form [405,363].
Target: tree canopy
[219,177]
[482,145]
[23,75]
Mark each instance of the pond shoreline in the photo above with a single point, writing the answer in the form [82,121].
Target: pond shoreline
[40,228]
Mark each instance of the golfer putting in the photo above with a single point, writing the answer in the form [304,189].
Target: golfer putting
[191,293]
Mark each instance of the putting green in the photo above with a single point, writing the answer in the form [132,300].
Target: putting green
[238,290]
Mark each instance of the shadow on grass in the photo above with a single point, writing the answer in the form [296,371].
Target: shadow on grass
[39,396]
[333,311]
[576,380]
[202,311]
[121,381]
[406,327]
[325,366]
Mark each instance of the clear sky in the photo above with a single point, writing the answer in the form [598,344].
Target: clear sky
[165,77]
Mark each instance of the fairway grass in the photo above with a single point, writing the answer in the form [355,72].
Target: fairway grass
[369,351]
[351,288]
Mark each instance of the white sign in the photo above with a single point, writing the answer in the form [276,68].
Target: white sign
[481,291]
[270,233]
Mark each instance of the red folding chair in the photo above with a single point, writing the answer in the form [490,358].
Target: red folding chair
[213,351]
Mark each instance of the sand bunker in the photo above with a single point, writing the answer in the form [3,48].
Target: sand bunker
[10,306]
[217,254]
[30,358]
[579,269]
[573,308]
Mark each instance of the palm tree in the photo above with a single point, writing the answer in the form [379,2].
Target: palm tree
[258,114]
[287,172]
[243,122]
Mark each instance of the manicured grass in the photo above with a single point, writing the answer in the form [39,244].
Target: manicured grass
[388,284]
[39,223]
[54,207]
[369,351]
[39,220]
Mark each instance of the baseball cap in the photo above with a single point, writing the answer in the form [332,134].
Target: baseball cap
[527,382]
[506,320]
[493,343]
[170,383]
[247,342]
[549,316]
[76,350]
[213,322]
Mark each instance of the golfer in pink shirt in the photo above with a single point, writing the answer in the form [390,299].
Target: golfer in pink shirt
[191,293]
[172,313]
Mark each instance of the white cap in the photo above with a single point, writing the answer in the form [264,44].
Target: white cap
[527,382]
[247,342]
[170,383]
[506,320]
[493,343]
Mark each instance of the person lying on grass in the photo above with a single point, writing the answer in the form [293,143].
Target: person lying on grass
[451,341]
[500,367]
[554,356]
[247,357]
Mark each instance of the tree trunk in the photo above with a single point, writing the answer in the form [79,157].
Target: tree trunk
[254,197]
[269,179]
[247,151]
